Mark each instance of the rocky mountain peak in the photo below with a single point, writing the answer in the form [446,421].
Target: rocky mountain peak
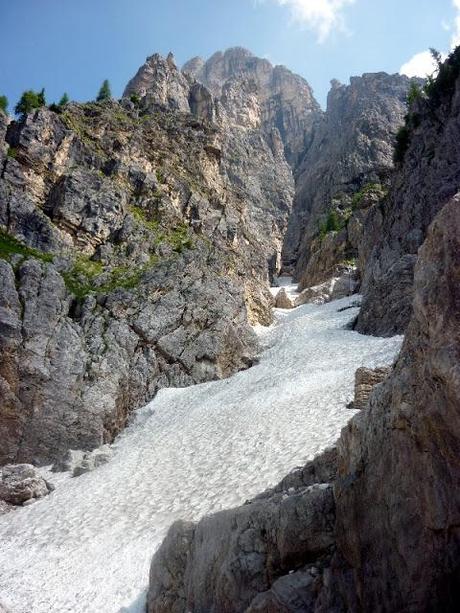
[352,148]
[285,100]
[160,79]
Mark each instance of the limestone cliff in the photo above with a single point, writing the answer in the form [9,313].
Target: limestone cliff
[372,526]
[285,100]
[428,173]
[352,150]
[134,253]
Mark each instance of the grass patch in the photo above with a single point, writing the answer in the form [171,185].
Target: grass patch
[12,152]
[370,188]
[82,279]
[9,246]
[140,216]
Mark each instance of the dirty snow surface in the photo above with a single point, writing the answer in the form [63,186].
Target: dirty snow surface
[87,547]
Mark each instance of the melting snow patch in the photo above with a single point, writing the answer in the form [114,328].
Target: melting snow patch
[87,547]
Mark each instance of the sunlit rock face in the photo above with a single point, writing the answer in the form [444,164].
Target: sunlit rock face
[352,148]
[285,100]
[139,239]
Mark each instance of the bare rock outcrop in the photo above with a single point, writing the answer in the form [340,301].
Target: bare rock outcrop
[397,492]
[285,100]
[351,152]
[255,544]
[21,483]
[282,300]
[137,243]
[365,381]
[428,175]
[164,85]
[394,544]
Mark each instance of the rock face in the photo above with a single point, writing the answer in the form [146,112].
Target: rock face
[254,544]
[20,483]
[352,149]
[160,80]
[397,494]
[284,100]
[249,151]
[428,175]
[365,381]
[395,543]
[135,250]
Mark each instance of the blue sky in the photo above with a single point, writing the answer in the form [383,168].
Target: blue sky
[72,45]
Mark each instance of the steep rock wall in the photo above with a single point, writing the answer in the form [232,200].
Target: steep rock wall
[392,486]
[352,147]
[134,254]
[285,100]
[427,176]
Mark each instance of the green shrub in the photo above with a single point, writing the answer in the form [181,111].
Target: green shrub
[64,100]
[401,144]
[415,93]
[332,223]
[370,188]
[4,104]
[135,99]
[443,83]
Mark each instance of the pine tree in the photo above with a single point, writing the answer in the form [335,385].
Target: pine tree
[29,101]
[41,97]
[4,104]
[64,100]
[104,92]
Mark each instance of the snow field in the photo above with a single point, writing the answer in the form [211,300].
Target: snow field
[87,547]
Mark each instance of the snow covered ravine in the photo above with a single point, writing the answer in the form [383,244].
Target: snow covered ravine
[87,547]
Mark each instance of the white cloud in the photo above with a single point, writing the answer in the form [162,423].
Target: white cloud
[421,65]
[322,16]
[455,40]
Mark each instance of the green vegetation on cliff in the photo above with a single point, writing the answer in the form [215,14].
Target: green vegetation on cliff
[10,246]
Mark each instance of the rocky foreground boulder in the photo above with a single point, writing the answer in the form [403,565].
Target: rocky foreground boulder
[21,484]
[373,528]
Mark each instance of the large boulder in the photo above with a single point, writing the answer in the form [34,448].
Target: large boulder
[344,284]
[20,483]
[365,381]
[227,560]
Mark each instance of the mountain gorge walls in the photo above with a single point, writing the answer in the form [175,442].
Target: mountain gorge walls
[373,524]
[427,175]
[369,526]
[137,239]
[343,174]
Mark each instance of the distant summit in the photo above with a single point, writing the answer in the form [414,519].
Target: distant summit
[286,99]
